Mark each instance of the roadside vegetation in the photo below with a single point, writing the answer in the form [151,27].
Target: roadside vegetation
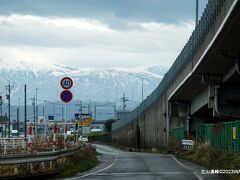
[211,158]
[93,134]
[85,160]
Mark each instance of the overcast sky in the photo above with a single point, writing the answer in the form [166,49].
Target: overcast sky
[96,33]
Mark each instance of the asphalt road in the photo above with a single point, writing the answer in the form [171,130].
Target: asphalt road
[118,164]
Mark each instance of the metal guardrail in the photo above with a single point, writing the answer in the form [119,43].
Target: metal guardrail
[14,145]
[187,54]
[37,157]
[29,145]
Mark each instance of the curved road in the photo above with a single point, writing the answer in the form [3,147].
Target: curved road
[118,164]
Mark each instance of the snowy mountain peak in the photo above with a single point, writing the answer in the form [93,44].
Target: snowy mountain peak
[97,84]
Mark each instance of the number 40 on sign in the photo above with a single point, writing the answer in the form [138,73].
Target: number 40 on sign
[66,83]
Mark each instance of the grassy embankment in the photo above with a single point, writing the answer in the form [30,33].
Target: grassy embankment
[211,158]
[85,160]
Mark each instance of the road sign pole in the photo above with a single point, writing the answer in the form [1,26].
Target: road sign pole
[66,96]
[65,127]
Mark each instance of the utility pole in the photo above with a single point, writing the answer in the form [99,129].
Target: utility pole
[89,106]
[142,90]
[53,109]
[25,110]
[1,102]
[197,6]
[9,88]
[18,114]
[18,120]
[81,107]
[43,111]
[124,100]
[36,111]
[95,112]
[34,114]
[115,111]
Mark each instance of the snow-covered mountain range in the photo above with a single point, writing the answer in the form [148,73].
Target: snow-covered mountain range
[96,84]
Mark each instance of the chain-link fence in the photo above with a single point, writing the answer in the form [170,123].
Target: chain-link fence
[223,136]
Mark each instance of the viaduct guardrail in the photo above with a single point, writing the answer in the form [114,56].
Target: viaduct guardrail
[186,56]
[173,103]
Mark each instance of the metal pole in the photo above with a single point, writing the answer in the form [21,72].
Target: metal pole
[81,106]
[45,121]
[65,126]
[18,120]
[54,109]
[9,109]
[36,128]
[142,90]
[18,115]
[1,102]
[95,112]
[8,88]
[36,131]
[34,115]
[62,113]
[115,111]
[25,110]
[197,4]
[1,108]
[88,107]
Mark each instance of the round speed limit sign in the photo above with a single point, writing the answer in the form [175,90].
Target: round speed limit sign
[66,83]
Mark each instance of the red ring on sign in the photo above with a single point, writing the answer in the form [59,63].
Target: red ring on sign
[62,83]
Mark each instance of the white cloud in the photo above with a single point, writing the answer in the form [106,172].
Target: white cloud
[89,42]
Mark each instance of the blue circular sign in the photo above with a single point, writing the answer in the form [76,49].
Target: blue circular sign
[66,96]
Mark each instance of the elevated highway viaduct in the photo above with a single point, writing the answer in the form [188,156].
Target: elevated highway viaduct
[202,85]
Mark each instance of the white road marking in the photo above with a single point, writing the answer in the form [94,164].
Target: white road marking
[93,173]
[134,173]
[195,173]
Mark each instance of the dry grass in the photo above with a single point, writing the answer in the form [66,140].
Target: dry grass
[174,147]
[81,161]
[214,159]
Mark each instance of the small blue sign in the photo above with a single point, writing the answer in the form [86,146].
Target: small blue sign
[50,117]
